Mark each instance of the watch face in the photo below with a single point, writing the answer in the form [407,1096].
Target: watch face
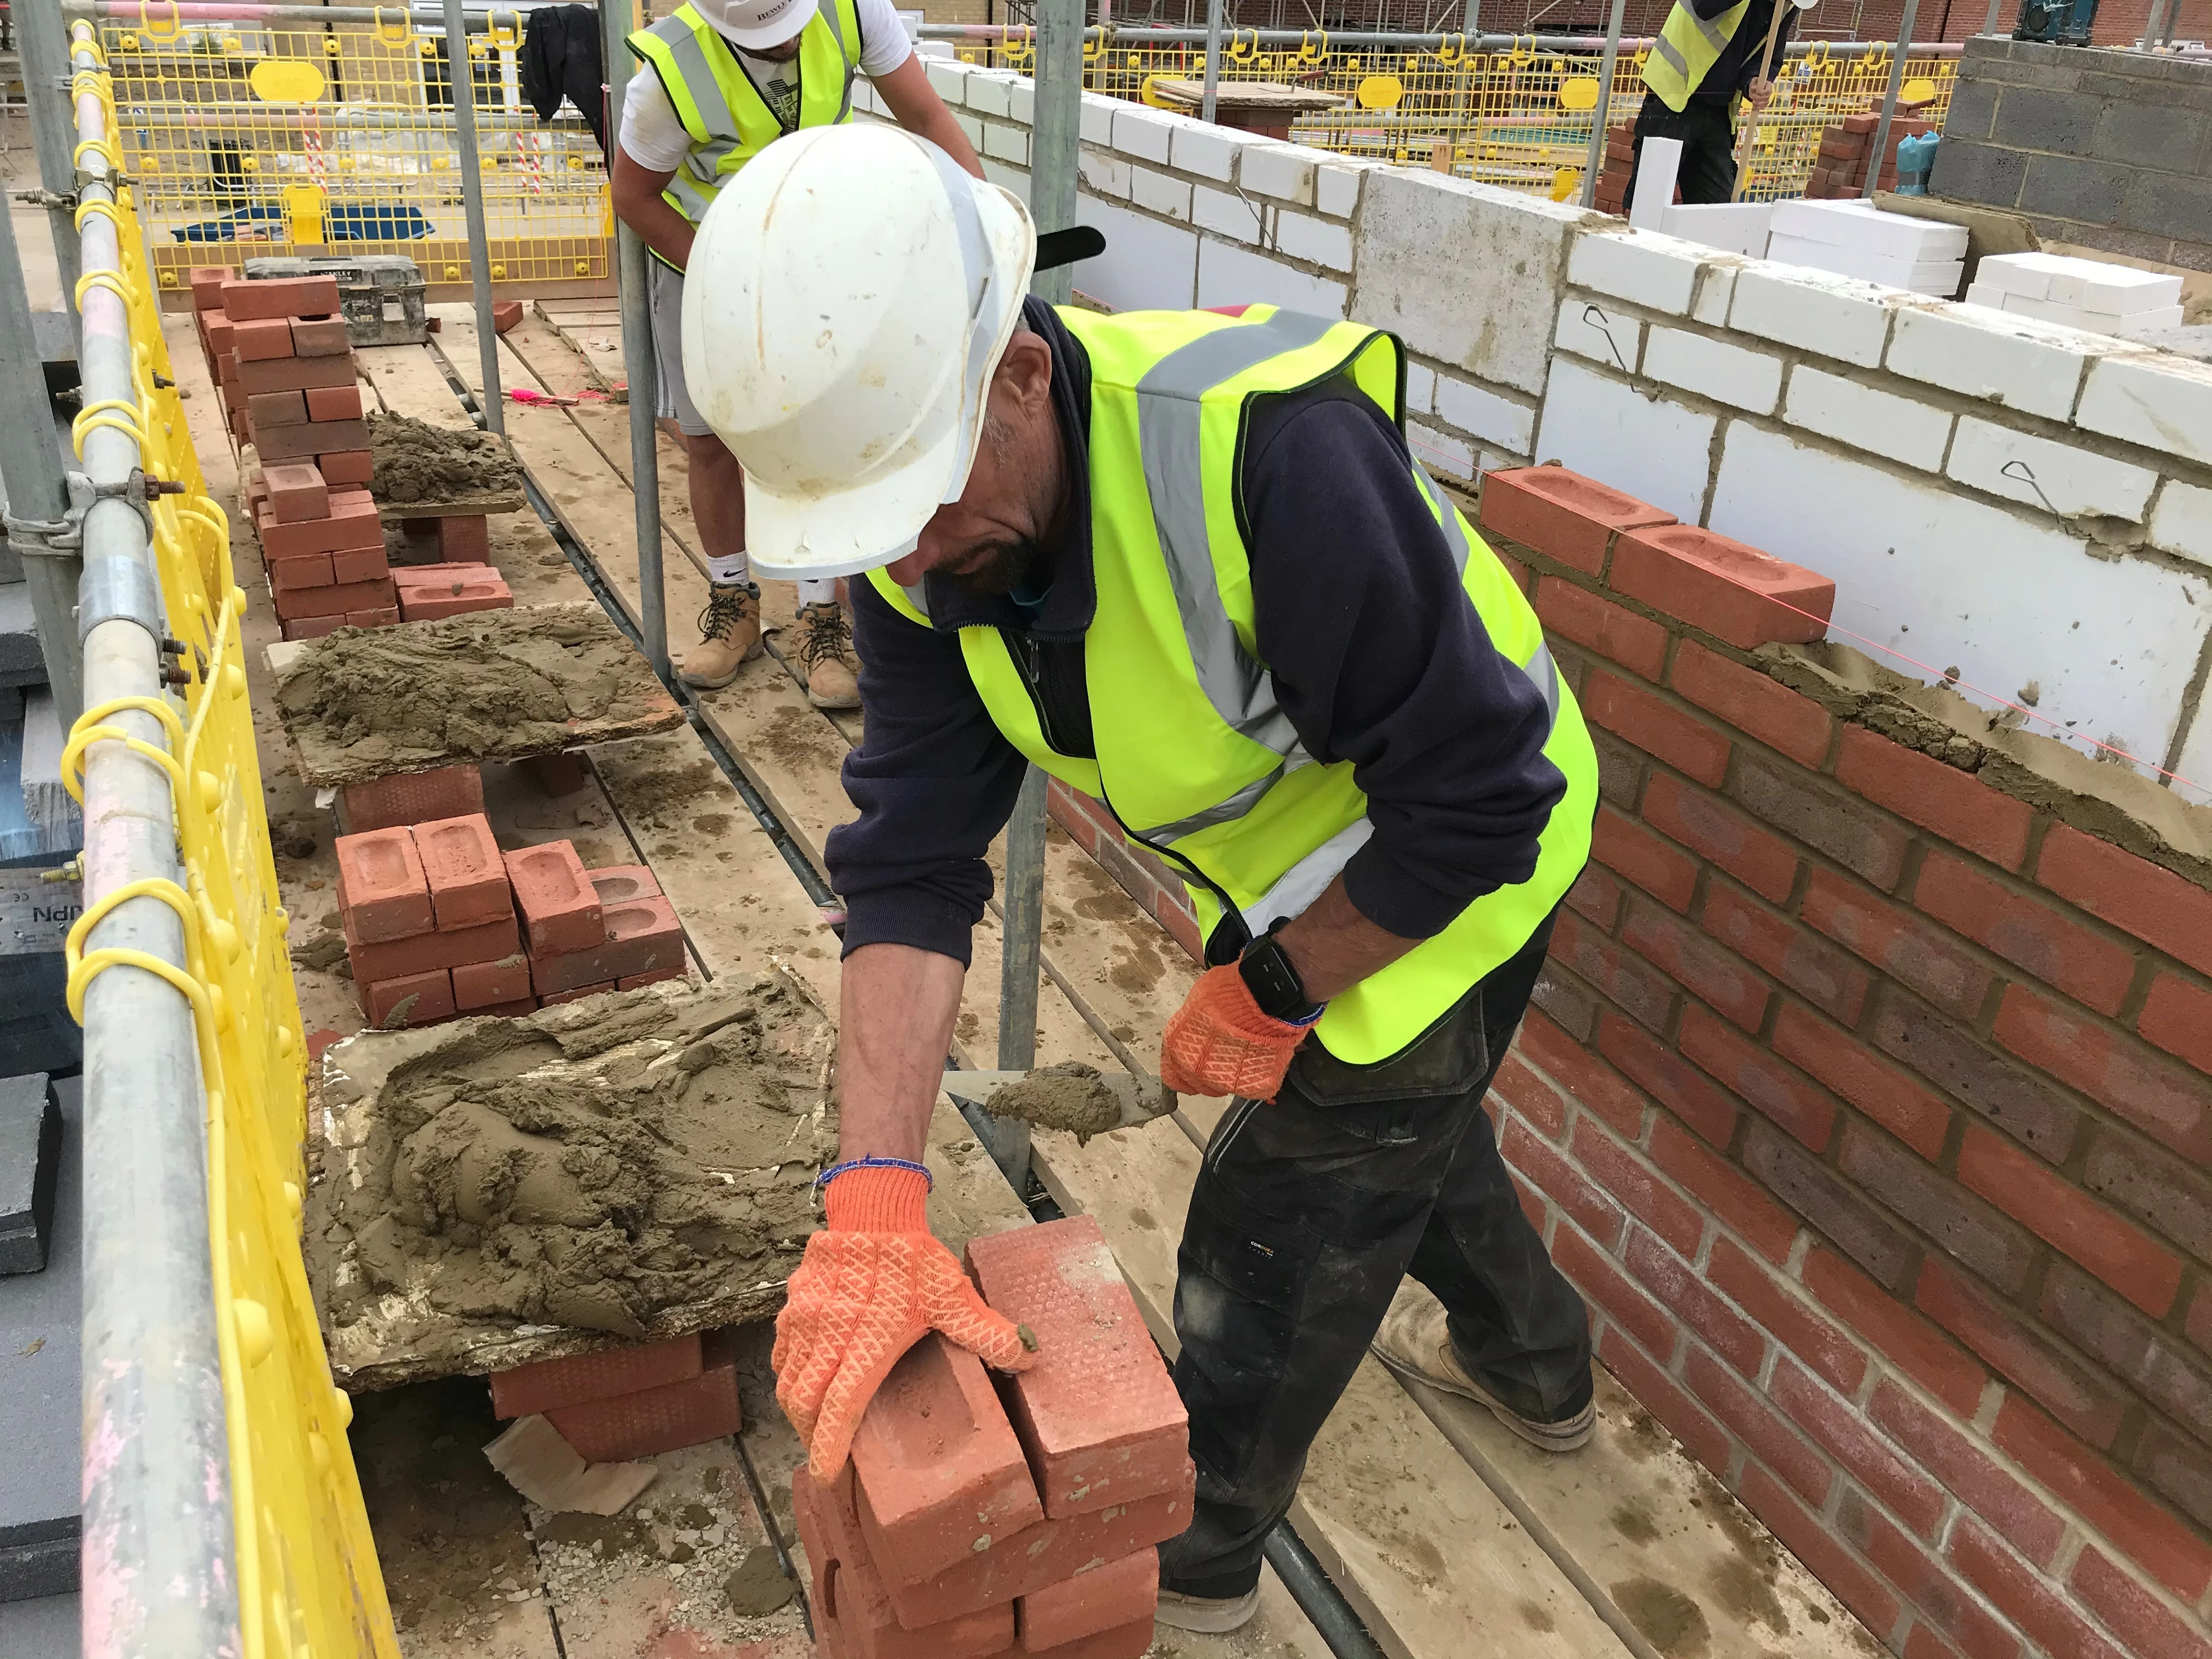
[1274,981]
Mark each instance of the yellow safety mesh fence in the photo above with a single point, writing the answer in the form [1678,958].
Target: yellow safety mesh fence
[308,1576]
[340,139]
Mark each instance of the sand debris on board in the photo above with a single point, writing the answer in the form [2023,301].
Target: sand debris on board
[639,1164]
[365,702]
[416,464]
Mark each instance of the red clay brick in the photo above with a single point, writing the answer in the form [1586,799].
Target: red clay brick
[276,409]
[2131,1613]
[2177,1016]
[1925,1581]
[1636,643]
[347,525]
[1765,1225]
[464,539]
[2019,1102]
[300,571]
[2157,906]
[479,986]
[1680,1087]
[2156,1540]
[578,994]
[376,616]
[1695,961]
[1912,1114]
[426,601]
[1662,869]
[407,999]
[657,1419]
[2168,1103]
[1574,1068]
[523,1390]
[1979,1235]
[1787,1099]
[1836,1207]
[2024,1596]
[941,1472]
[505,314]
[206,282]
[1097,1416]
[1754,703]
[1735,592]
[1940,1447]
[643,937]
[1773,1441]
[851,1603]
[382,886]
[2130,1261]
[1562,514]
[290,442]
[1622,1171]
[1540,1164]
[620,883]
[2081,1397]
[297,491]
[652,976]
[349,466]
[312,627]
[425,951]
[468,879]
[1131,1640]
[1764,862]
[1810,966]
[1646,995]
[258,341]
[295,374]
[1684,741]
[321,336]
[337,599]
[1811,1335]
[284,296]
[1921,1642]
[1898,943]
[359,564]
[1597,896]
[1569,1003]
[1532,1097]
[1867,842]
[334,403]
[1102,1599]
[1841,1427]
[1675,1282]
[1815,1543]
[1659,1394]
[1917,1347]
[404,798]
[2025,930]
[560,911]
[1600,1278]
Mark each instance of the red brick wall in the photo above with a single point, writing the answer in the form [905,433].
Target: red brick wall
[1146,877]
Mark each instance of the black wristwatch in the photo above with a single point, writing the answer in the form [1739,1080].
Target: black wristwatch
[1272,979]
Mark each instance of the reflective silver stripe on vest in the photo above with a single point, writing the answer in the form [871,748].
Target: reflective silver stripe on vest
[1716,37]
[1167,420]
[1447,519]
[1665,48]
[700,178]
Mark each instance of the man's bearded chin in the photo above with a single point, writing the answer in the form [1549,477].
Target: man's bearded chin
[996,570]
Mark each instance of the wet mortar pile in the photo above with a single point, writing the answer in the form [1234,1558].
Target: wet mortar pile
[418,465]
[363,702]
[1070,1096]
[639,1164]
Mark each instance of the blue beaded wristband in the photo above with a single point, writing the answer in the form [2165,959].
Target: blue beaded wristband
[833,1172]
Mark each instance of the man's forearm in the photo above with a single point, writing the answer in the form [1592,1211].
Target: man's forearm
[638,204]
[895,1030]
[1334,947]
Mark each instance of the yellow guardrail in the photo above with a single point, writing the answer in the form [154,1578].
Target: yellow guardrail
[307,1580]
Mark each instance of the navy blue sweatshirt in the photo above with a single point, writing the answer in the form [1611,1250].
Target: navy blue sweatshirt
[1377,655]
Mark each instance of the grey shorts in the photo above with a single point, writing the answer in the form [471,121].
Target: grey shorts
[674,402]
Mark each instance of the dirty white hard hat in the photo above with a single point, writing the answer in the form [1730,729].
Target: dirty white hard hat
[849,295]
[756,25]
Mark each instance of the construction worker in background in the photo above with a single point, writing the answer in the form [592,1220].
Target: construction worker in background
[1706,57]
[1185,562]
[728,78]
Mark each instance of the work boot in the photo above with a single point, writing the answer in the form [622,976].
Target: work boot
[1204,1615]
[821,648]
[730,635]
[1415,1341]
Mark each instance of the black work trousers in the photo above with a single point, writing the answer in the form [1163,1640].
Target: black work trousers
[1308,1214]
[1708,135]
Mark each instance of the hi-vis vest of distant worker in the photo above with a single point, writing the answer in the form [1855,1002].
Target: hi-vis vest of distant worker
[1687,48]
[1193,751]
[728,116]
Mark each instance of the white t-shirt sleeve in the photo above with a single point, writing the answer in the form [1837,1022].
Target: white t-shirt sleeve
[884,43]
[652,135]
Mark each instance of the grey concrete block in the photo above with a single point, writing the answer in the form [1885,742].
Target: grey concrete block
[1973,110]
[1985,174]
[2134,244]
[2166,204]
[41,1316]
[47,1628]
[2067,188]
[20,662]
[2033,118]
[30,1166]
[2152,137]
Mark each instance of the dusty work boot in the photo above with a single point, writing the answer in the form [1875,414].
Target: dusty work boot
[820,649]
[1205,1615]
[1415,1341]
[730,635]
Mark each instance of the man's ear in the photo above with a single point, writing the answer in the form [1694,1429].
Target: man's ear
[1025,375]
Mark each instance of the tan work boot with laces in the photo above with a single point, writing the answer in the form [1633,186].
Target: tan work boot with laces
[730,630]
[820,649]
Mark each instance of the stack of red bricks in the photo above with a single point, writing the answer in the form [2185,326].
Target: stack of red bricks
[1839,170]
[623,1403]
[1612,177]
[439,923]
[972,1521]
[428,591]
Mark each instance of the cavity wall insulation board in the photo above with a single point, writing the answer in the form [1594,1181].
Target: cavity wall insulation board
[1852,239]
[2087,294]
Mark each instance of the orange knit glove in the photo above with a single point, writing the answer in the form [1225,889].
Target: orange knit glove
[1219,1042]
[872,1284]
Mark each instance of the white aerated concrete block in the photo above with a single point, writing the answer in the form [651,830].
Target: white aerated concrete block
[1440,452]
[1337,189]
[1285,172]
[1497,420]
[1880,423]
[1658,272]
[1317,241]
[1600,425]
[1939,278]
[1833,316]
[1098,117]
[1420,388]
[1021,101]
[1143,134]
[1715,289]
[2058,477]
[1462,272]
[1224,213]
[2181,522]
[2162,401]
[1008,177]
[949,77]
[1611,338]
[972,126]
[1103,173]
[990,92]
[1148,265]
[1207,151]
[1863,226]
[1713,368]
[1160,193]
[1005,143]
[2012,361]
[1230,275]
[1732,227]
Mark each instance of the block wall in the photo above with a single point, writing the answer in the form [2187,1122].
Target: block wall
[2106,149]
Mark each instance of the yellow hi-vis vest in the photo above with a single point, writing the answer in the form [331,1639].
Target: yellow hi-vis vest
[1195,752]
[1687,48]
[726,113]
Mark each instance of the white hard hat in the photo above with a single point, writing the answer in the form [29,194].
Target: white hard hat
[850,292]
[756,25]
